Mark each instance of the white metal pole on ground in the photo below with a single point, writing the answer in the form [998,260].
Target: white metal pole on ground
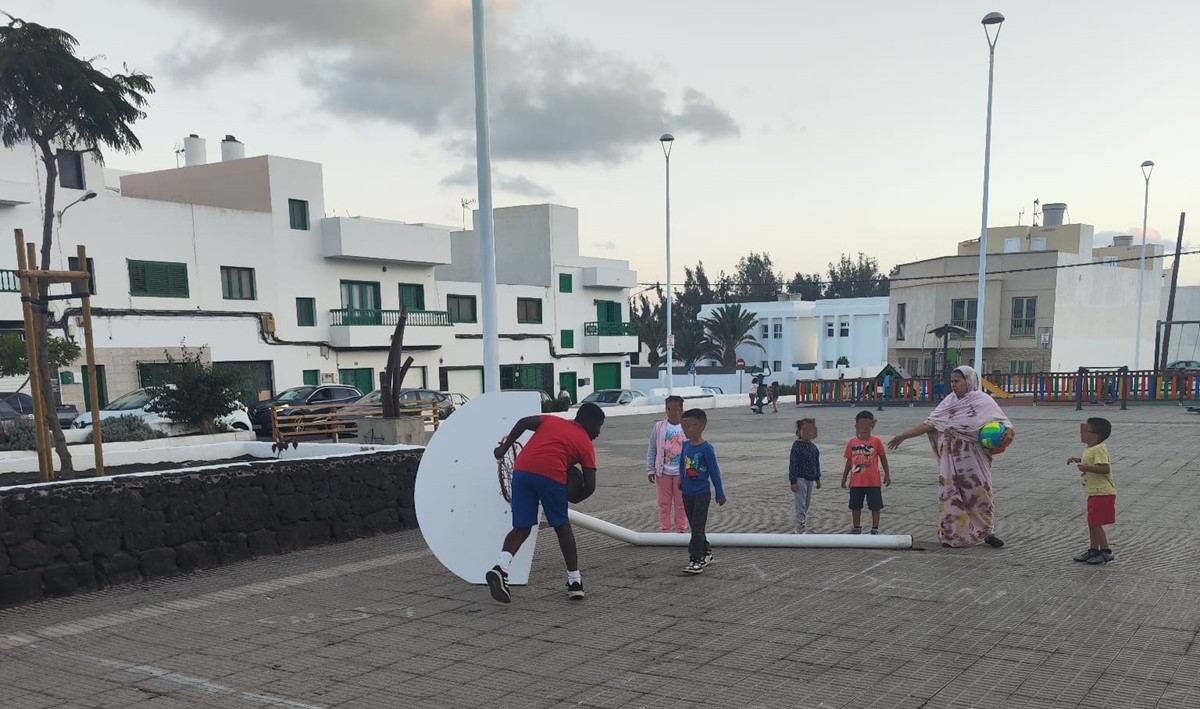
[724,539]
[992,18]
[1147,168]
[487,239]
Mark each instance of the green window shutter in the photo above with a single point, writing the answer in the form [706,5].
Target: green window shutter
[306,312]
[412,296]
[564,283]
[566,339]
[312,377]
[158,279]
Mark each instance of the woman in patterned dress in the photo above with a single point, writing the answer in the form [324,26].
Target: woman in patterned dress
[965,511]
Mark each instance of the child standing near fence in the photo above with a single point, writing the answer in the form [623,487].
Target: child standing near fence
[804,471]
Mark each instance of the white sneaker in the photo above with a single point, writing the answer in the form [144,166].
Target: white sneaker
[694,567]
[800,529]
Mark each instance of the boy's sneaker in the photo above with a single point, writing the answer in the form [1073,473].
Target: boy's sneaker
[874,530]
[497,582]
[1101,557]
[1085,554]
[694,567]
[707,558]
[856,530]
[575,590]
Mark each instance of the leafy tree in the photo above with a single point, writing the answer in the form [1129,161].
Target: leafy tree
[195,393]
[692,344]
[61,102]
[843,361]
[756,279]
[860,278]
[14,356]
[650,319]
[808,287]
[729,327]
[697,291]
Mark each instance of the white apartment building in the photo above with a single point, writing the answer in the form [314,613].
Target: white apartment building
[1053,302]
[237,259]
[803,339]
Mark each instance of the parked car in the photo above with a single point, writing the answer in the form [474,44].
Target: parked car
[22,403]
[459,400]
[713,391]
[137,403]
[617,397]
[8,413]
[430,397]
[547,401]
[1186,365]
[260,415]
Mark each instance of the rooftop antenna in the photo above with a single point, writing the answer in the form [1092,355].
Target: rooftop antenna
[1020,216]
[178,153]
[466,206]
[1037,211]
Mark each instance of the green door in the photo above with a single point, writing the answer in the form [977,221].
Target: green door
[608,311]
[101,387]
[606,376]
[567,380]
[361,301]
[362,379]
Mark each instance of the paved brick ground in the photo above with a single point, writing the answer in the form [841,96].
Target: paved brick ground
[378,623]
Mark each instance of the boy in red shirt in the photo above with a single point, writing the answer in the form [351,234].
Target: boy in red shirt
[540,477]
[864,454]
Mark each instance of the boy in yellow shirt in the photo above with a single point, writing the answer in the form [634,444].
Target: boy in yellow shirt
[1099,488]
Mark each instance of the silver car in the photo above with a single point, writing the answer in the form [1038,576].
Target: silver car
[617,397]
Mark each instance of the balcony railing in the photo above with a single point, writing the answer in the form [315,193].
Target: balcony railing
[9,281]
[1023,328]
[389,317]
[609,329]
[968,325]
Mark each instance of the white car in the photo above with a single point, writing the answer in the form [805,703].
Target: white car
[137,403]
[617,397]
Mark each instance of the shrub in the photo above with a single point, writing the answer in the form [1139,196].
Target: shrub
[195,393]
[18,435]
[787,389]
[126,428]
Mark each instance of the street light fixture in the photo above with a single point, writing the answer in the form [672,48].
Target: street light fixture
[990,19]
[667,141]
[90,194]
[1147,168]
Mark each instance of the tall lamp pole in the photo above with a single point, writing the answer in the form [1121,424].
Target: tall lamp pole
[989,20]
[667,141]
[487,237]
[1147,168]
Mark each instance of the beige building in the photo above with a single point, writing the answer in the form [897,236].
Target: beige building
[1053,302]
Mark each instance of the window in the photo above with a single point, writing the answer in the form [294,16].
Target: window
[312,377]
[412,296]
[298,214]
[901,320]
[73,265]
[566,339]
[777,331]
[529,310]
[564,283]
[1038,244]
[844,328]
[766,331]
[1024,317]
[306,313]
[778,365]
[70,169]
[828,327]
[962,313]
[1012,245]
[1020,366]
[237,283]
[158,279]
[828,364]
[461,307]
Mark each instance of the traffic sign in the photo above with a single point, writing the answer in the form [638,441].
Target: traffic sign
[741,363]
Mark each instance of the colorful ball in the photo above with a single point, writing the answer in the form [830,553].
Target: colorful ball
[991,436]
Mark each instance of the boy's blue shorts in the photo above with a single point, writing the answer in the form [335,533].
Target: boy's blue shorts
[528,489]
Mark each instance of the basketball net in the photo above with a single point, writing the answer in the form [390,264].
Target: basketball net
[504,471]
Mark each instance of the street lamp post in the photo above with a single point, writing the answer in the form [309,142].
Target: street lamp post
[90,194]
[667,141]
[990,19]
[487,237]
[1147,168]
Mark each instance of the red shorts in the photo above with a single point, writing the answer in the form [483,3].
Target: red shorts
[1102,510]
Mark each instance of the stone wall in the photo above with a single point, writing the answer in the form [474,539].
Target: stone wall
[84,535]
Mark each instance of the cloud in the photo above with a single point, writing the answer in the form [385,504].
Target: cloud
[516,184]
[553,100]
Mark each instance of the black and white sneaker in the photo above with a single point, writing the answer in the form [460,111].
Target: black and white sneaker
[1085,554]
[575,590]
[1100,557]
[497,582]
[694,567]
[707,558]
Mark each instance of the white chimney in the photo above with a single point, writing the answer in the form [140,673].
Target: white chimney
[195,150]
[1125,240]
[1052,214]
[232,149]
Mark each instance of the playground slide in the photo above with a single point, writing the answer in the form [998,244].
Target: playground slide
[995,390]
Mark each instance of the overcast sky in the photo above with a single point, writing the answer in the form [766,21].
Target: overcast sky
[803,129]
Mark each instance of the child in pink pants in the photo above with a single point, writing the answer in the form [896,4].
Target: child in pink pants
[662,465]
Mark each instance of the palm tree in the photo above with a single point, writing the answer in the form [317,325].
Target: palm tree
[729,327]
[692,345]
[61,103]
[651,328]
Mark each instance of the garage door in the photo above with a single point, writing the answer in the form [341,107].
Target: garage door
[468,382]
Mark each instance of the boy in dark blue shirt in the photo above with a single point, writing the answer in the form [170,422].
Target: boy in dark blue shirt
[804,470]
[698,475]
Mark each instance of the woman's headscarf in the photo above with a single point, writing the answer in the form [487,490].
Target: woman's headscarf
[968,373]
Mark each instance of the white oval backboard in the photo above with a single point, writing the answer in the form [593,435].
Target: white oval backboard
[459,507]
